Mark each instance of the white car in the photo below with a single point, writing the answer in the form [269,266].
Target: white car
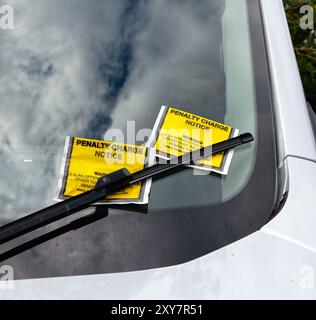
[80,68]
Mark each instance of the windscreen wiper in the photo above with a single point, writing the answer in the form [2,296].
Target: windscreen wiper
[108,184]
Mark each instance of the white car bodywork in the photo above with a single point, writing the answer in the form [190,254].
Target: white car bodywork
[275,262]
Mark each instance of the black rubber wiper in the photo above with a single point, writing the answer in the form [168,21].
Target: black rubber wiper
[107,184]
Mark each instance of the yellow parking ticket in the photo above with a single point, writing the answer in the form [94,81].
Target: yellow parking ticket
[177,132]
[86,160]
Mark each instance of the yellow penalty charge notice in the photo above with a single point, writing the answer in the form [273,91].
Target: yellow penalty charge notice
[177,132]
[86,160]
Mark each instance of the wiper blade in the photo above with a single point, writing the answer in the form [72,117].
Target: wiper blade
[108,184]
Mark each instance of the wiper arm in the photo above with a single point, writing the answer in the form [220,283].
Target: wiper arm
[108,184]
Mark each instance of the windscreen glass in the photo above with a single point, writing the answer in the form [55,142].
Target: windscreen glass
[79,68]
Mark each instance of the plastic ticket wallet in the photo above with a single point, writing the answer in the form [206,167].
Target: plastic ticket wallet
[86,160]
[177,132]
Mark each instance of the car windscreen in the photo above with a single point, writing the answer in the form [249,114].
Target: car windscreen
[80,68]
